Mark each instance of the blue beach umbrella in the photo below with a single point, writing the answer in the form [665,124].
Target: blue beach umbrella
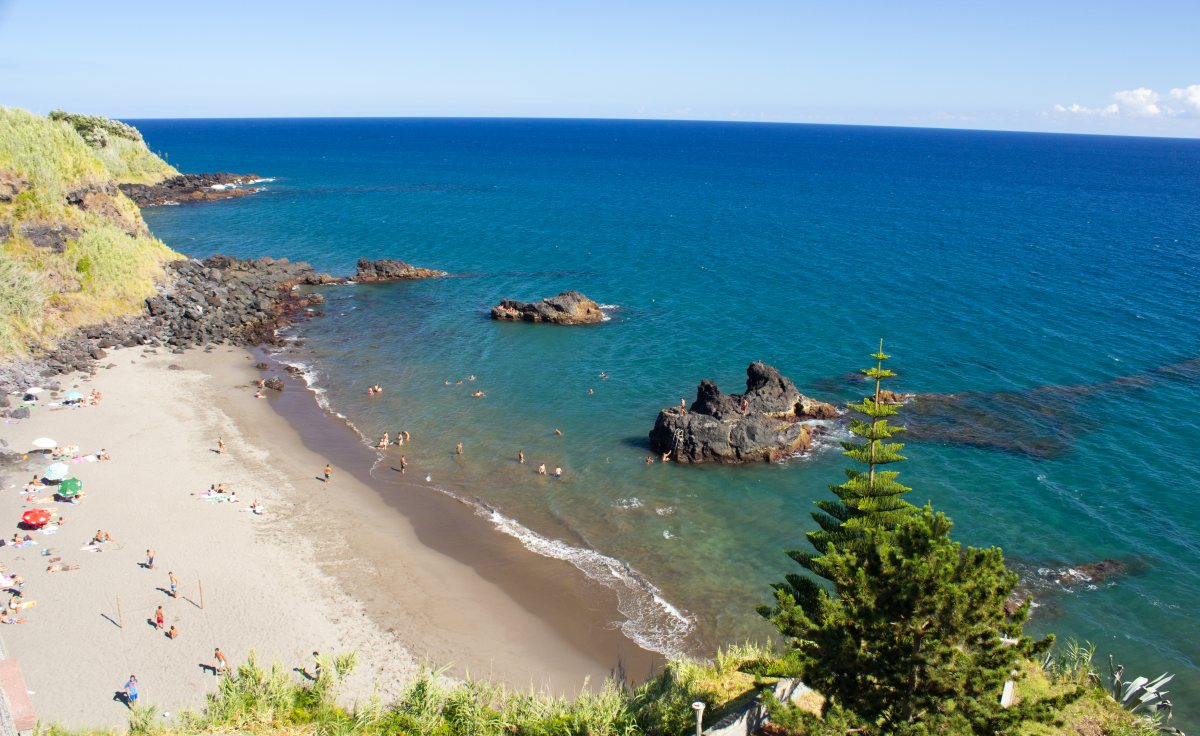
[74,395]
[57,471]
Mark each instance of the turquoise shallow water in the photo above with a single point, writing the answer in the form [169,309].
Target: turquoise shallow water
[989,262]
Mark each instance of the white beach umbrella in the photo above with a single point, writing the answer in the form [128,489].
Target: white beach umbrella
[57,471]
[34,390]
[44,443]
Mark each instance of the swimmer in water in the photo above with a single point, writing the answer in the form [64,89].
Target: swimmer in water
[542,469]
[520,456]
[558,431]
[558,472]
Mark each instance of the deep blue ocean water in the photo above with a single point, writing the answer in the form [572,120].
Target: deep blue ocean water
[1031,269]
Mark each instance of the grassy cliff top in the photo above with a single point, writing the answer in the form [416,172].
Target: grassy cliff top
[74,250]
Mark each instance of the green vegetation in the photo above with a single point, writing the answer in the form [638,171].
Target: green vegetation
[911,634]
[119,147]
[103,262]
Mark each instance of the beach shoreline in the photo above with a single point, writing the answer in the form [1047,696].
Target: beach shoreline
[405,582]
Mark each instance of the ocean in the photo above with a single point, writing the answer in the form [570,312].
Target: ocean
[1044,286]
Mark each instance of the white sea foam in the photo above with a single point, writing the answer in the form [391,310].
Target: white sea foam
[628,503]
[220,187]
[261,181]
[650,620]
[668,535]
[665,510]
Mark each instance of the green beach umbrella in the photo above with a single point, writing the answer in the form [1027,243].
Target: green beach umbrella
[70,487]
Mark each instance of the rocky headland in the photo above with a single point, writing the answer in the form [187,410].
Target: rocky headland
[764,424]
[567,308]
[192,188]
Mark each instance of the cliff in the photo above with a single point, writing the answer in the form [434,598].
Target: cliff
[74,250]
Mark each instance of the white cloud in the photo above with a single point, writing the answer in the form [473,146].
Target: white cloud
[1188,98]
[1142,102]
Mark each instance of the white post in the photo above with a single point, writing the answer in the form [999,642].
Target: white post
[699,708]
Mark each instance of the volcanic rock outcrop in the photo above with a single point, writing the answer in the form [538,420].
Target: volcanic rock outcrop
[390,269]
[191,188]
[568,308]
[764,424]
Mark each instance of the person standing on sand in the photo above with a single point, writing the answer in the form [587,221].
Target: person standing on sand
[220,445]
[131,691]
[174,584]
[158,618]
[328,472]
[149,559]
[220,664]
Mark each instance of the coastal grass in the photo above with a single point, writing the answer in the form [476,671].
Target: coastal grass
[110,263]
[273,700]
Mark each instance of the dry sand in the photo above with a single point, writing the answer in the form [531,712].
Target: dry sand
[332,568]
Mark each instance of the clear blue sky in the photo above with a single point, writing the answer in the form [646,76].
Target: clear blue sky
[1099,66]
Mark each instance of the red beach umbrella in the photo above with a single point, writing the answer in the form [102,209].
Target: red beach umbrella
[36,518]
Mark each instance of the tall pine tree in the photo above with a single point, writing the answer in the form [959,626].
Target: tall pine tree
[870,496]
[910,633]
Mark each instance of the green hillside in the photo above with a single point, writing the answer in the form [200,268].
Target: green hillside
[74,250]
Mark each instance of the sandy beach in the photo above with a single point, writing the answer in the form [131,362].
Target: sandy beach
[338,567]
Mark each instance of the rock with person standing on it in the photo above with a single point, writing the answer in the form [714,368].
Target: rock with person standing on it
[767,422]
[567,308]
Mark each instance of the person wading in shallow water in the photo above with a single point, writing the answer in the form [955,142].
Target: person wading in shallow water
[458,449]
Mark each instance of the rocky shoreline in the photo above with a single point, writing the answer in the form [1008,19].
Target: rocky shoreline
[217,300]
[192,188]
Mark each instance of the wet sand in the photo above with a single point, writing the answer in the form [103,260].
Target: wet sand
[402,575]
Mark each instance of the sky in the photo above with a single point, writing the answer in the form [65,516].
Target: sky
[1102,66]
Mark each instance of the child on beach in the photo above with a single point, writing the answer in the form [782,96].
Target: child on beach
[328,472]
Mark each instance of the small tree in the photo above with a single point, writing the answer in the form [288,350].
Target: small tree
[911,635]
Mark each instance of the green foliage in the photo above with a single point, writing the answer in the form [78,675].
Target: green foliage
[23,297]
[867,497]
[910,634]
[119,146]
[105,272]
[96,129]
[50,155]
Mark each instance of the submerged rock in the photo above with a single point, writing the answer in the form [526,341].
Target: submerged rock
[390,269]
[764,424]
[567,308]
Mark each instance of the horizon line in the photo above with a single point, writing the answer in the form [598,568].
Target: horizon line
[555,118]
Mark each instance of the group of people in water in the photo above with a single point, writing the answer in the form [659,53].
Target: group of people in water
[402,437]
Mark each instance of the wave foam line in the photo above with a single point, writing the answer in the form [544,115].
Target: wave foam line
[650,619]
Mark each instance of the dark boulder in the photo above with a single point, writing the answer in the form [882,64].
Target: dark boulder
[275,383]
[390,269]
[568,308]
[769,421]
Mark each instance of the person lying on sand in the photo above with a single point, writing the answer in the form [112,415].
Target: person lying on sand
[60,567]
[8,618]
[103,454]
[34,485]
[11,581]
[18,603]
